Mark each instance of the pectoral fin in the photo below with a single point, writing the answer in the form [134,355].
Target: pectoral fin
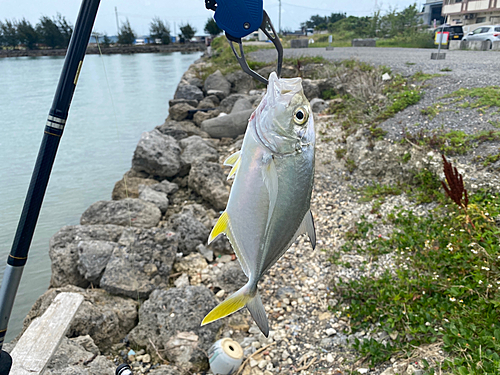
[234,169]
[231,160]
[307,226]
[219,228]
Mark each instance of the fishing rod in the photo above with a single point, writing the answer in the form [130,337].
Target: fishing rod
[53,131]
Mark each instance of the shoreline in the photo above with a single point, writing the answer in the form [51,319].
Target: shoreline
[153,48]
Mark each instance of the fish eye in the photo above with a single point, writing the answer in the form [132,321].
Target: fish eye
[300,116]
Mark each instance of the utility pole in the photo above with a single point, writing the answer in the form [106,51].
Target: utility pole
[117,22]
[279,25]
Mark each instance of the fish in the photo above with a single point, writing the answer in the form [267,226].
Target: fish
[269,201]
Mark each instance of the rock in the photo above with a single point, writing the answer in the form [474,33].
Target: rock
[196,149]
[107,319]
[190,230]
[207,253]
[201,116]
[92,259]
[128,187]
[240,82]
[173,129]
[192,103]
[142,263]
[166,187]
[217,84]
[158,198]
[311,89]
[189,92]
[318,105]
[229,126]
[72,358]
[157,154]
[207,102]
[191,265]
[229,277]
[200,213]
[179,111]
[177,310]
[221,245]
[130,211]
[388,371]
[227,104]
[64,254]
[241,105]
[207,179]
[182,281]
[165,370]
[195,82]
[286,292]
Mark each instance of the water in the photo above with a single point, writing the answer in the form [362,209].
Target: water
[95,151]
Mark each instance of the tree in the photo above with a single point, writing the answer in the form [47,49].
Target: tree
[126,34]
[49,33]
[9,33]
[65,29]
[159,30]
[187,31]
[105,40]
[212,28]
[27,34]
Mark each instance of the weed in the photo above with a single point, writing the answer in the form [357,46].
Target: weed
[377,133]
[485,97]
[350,165]
[340,153]
[446,69]
[410,63]
[406,157]
[420,76]
[370,192]
[490,159]
[432,111]
[445,286]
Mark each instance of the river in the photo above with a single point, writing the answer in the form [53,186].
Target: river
[117,98]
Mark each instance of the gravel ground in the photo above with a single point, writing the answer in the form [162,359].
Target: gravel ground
[470,68]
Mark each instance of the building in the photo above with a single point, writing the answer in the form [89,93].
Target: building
[471,14]
[431,13]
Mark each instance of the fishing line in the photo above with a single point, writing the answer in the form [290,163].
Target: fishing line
[116,123]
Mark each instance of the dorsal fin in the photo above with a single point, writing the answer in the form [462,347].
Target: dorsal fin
[219,228]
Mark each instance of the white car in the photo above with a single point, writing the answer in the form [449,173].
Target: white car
[490,33]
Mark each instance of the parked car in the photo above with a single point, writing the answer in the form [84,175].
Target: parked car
[456,33]
[490,33]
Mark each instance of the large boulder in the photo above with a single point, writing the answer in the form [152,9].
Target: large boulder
[318,105]
[208,180]
[166,187]
[107,319]
[128,212]
[175,315]
[188,92]
[128,187]
[93,257]
[195,149]
[157,154]
[229,126]
[79,356]
[217,84]
[191,231]
[141,264]
[64,253]
[230,277]
[179,111]
[227,104]
[241,105]
[182,129]
[158,198]
[311,89]
[240,82]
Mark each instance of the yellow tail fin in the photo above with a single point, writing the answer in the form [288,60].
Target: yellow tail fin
[235,302]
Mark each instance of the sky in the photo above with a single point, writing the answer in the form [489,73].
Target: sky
[179,12]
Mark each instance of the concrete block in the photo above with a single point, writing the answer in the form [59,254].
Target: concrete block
[454,45]
[477,45]
[495,46]
[363,42]
[436,56]
[299,43]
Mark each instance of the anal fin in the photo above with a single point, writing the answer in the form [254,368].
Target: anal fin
[219,228]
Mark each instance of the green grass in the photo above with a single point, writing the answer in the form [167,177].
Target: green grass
[482,97]
[445,286]
[340,153]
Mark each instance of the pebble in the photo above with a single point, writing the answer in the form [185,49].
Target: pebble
[220,293]
[329,358]
[331,331]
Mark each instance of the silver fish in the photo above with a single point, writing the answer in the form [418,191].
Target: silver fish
[269,203]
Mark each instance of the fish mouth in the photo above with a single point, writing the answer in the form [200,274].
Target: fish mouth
[283,89]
